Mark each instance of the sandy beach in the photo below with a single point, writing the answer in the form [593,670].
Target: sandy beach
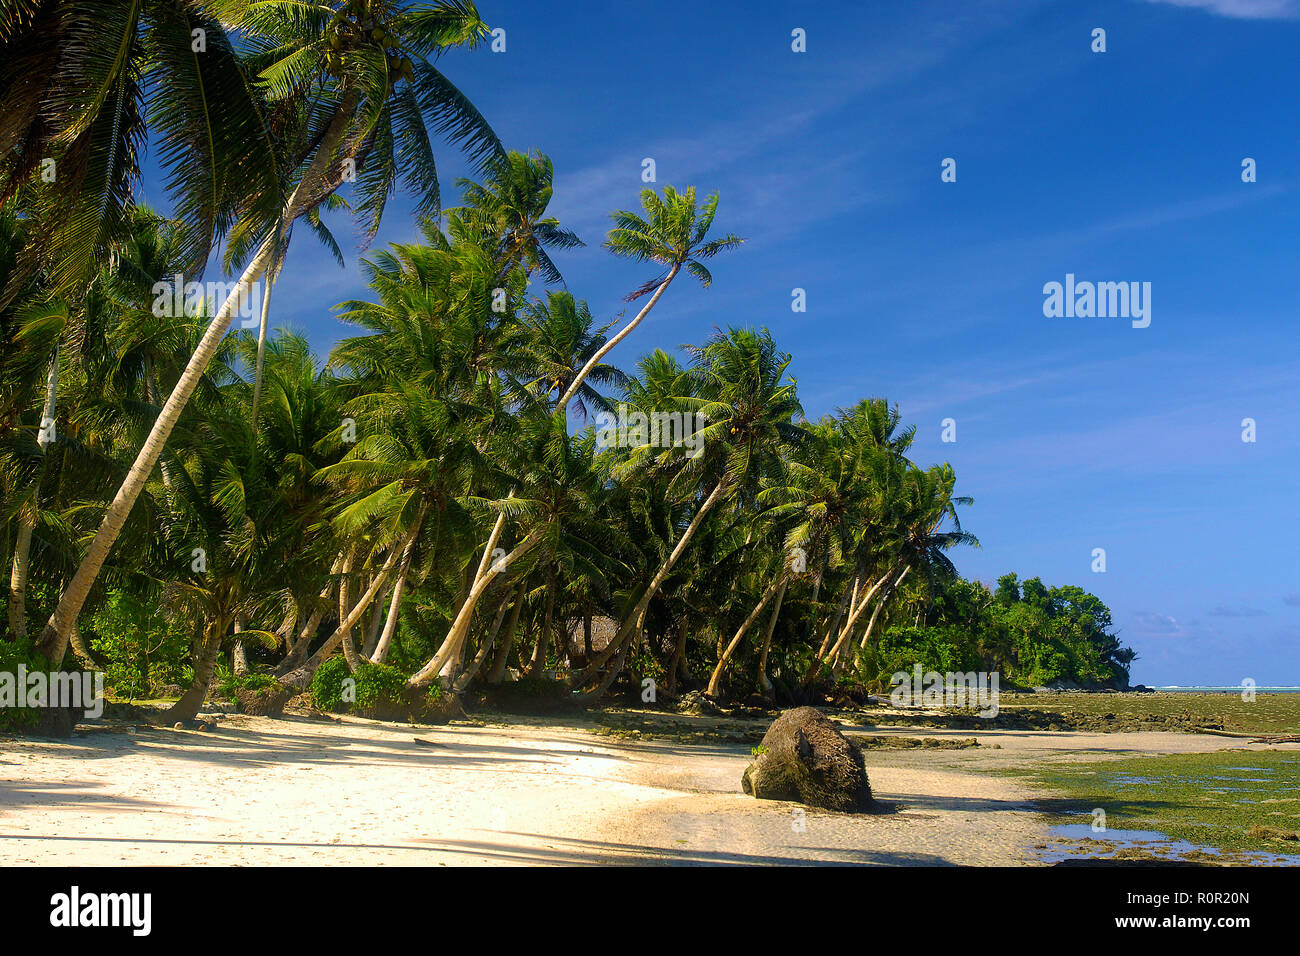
[313,791]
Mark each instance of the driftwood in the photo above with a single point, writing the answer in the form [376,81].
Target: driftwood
[1256,738]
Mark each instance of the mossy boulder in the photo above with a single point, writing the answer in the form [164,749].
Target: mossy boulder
[265,701]
[805,758]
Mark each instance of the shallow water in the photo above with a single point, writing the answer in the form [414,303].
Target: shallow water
[1152,841]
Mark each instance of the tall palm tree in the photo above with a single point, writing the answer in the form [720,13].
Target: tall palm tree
[80,80]
[352,82]
[508,210]
[743,409]
[674,234]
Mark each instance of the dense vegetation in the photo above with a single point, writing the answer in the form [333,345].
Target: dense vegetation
[465,490]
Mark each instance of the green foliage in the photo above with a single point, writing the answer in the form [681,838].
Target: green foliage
[141,651]
[327,686]
[229,685]
[375,685]
[1030,633]
[13,654]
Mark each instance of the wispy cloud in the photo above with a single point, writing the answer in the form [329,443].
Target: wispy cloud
[1151,624]
[1243,9]
[1223,611]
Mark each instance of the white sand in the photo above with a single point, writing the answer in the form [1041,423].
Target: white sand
[315,791]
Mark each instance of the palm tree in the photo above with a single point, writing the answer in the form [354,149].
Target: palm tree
[742,407]
[351,82]
[508,211]
[555,340]
[79,80]
[673,234]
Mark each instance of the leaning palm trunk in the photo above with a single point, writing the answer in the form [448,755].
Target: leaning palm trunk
[545,636]
[623,333]
[610,676]
[489,641]
[833,626]
[502,659]
[301,676]
[187,708]
[385,642]
[302,643]
[54,639]
[377,619]
[380,653]
[632,623]
[763,681]
[82,650]
[819,662]
[27,516]
[345,580]
[715,681]
[488,570]
[884,599]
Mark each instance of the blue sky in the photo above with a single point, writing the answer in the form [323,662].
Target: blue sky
[1072,434]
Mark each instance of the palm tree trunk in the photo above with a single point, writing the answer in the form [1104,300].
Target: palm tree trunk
[345,581]
[715,682]
[301,676]
[632,622]
[763,680]
[833,627]
[610,676]
[303,642]
[884,598]
[377,619]
[544,637]
[562,407]
[502,659]
[187,708]
[380,653]
[27,515]
[18,578]
[385,643]
[488,570]
[820,661]
[238,653]
[261,342]
[675,663]
[489,641]
[82,650]
[54,639]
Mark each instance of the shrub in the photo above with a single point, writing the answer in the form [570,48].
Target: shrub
[12,654]
[378,689]
[141,651]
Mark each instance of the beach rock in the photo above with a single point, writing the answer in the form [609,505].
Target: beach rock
[697,703]
[805,758]
[54,722]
